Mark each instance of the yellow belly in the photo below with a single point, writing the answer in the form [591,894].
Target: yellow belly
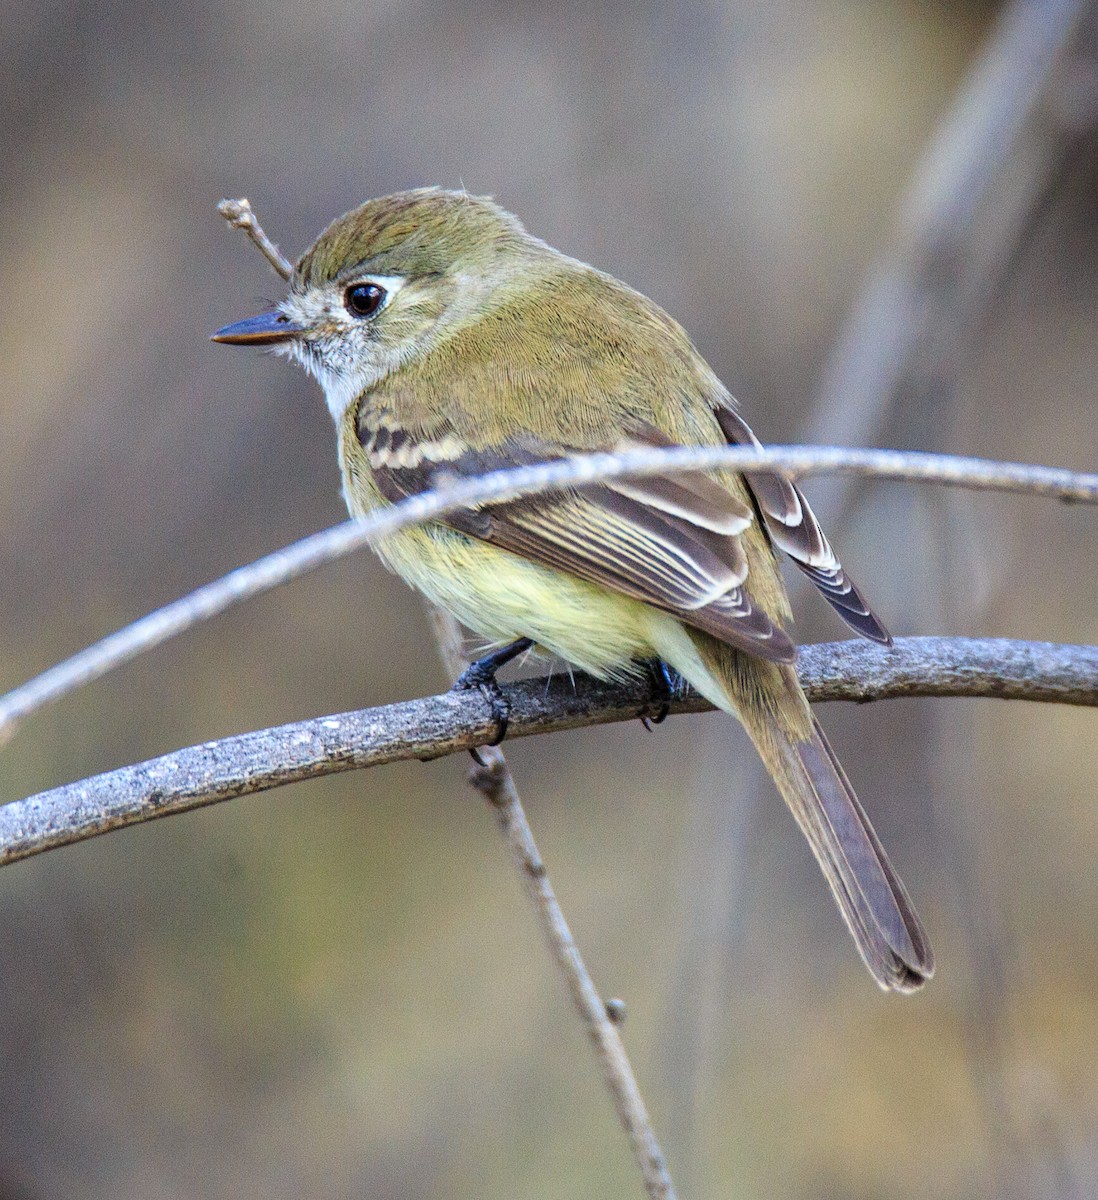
[501,597]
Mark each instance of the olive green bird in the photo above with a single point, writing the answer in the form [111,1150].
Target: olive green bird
[448,339]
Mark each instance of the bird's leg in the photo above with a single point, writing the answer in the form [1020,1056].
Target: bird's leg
[662,691]
[481,675]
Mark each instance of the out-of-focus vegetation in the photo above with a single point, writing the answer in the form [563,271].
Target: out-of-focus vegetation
[336,990]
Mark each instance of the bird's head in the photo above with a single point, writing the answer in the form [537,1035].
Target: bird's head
[385,282]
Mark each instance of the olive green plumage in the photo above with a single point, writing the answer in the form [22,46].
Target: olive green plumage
[425,232]
[469,346]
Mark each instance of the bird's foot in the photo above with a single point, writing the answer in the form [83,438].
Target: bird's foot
[661,693]
[481,676]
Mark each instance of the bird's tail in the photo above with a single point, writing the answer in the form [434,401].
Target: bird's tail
[768,700]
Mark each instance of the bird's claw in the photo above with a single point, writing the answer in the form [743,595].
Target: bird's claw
[661,693]
[497,702]
[481,676]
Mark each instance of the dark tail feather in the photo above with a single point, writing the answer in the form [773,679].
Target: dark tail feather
[870,896]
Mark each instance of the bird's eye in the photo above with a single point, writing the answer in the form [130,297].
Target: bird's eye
[363,299]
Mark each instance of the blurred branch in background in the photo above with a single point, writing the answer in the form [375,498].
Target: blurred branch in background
[893,377]
[893,371]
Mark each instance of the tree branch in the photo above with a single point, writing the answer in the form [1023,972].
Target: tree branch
[311,552]
[428,728]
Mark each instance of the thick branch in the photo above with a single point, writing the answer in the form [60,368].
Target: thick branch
[313,551]
[439,725]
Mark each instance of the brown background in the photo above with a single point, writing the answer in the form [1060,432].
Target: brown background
[336,990]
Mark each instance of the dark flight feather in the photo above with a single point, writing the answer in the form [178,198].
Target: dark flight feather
[793,527]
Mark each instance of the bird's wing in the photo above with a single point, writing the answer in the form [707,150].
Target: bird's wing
[672,543]
[793,527]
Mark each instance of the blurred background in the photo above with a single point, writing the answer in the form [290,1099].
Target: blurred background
[336,990]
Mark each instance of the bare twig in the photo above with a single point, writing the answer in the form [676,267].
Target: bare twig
[429,728]
[311,552]
[494,780]
[449,640]
[239,214]
[492,777]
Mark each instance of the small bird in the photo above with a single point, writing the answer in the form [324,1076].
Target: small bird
[449,341]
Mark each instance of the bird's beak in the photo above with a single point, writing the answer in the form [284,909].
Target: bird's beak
[267,329]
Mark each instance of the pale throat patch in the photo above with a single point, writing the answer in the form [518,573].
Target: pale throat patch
[338,351]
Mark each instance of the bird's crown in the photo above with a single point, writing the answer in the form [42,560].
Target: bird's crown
[420,232]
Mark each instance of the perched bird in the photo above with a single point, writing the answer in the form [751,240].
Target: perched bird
[448,339]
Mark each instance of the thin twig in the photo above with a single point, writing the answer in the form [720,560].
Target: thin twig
[449,640]
[330,544]
[428,728]
[240,215]
[494,780]
[492,777]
